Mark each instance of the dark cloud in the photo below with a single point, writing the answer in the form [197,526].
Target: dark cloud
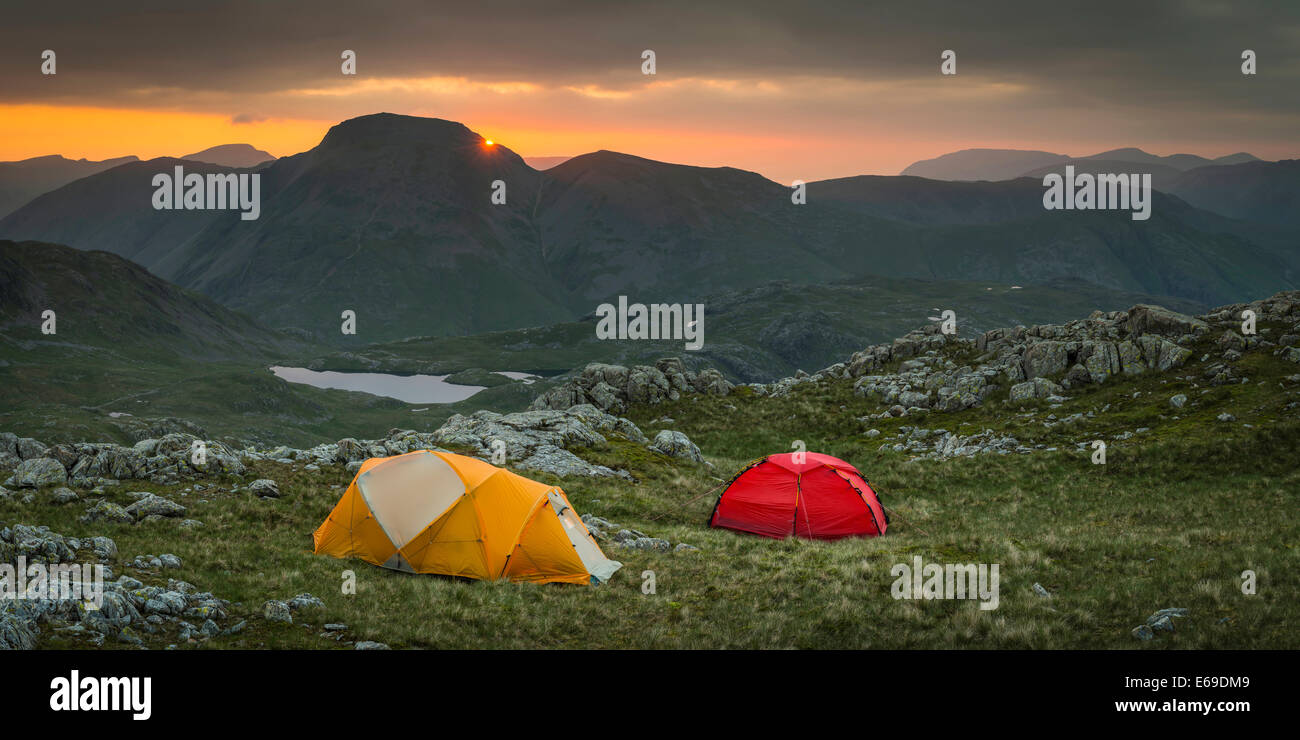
[1174,65]
[1170,50]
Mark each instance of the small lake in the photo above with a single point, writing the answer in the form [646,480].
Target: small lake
[408,388]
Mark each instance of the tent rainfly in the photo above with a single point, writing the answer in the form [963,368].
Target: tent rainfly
[438,512]
[804,494]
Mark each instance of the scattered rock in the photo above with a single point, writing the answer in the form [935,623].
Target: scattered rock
[264,488]
[277,611]
[305,601]
[676,444]
[62,495]
[153,505]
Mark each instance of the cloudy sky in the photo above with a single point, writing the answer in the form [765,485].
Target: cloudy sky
[794,90]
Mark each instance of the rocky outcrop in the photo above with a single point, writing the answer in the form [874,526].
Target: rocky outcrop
[546,440]
[540,439]
[125,611]
[1042,362]
[166,460]
[941,443]
[612,388]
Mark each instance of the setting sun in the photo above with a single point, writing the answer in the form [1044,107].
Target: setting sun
[489,142]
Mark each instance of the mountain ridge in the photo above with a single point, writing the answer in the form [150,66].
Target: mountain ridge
[393,216]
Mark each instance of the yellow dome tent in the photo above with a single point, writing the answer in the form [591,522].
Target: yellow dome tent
[438,512]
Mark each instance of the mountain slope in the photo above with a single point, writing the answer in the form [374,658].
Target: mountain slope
[932,202]
[104,302]
[392,216]
[1262,192]
[114,211]
[24,180]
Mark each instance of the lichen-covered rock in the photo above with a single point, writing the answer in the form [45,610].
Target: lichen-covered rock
[16,631]
[1161,354]
[540,439]
[29,449]
[153,505]
[264,488]
[350,450]
[712,382]
[39,472]
[277,611]
[63,495]
[675,444]
[1036,388]
[1102,360]
[305,601]
[1144,319]
[611,388]
[106,511]
[1130,358]
[1045,358]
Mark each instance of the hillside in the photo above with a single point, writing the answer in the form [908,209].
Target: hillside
[132,350]
[755,334]
[22,181]
[104,303]
[1089,552]
[1260,192]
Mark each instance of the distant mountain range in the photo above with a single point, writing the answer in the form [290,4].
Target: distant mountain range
[25,179]
[391,216]
[1006,164]
[231,155]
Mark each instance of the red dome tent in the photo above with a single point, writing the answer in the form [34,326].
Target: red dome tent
[821,498]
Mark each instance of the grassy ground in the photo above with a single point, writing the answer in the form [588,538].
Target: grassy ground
[1172,520]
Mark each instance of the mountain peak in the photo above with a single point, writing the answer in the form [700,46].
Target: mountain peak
[231,155]
[397,129]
